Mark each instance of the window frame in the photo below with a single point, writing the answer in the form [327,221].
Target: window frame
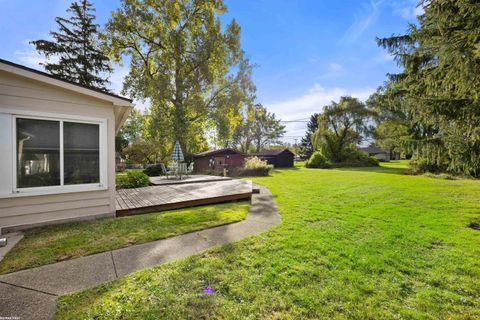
[62,188]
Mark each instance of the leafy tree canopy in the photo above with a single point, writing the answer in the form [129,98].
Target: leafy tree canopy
[341,127]
[258,130]
[192,70]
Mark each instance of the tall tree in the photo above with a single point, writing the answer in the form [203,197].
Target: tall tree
[306,146]
[341,127]
[191,68]
[439,85]
[258,130]
[75,50]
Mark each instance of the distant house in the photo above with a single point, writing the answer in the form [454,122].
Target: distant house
[280,158]
[381,154]
[57,146]
[217,160]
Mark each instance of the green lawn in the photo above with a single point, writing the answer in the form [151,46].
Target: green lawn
[62,242]
[353,244]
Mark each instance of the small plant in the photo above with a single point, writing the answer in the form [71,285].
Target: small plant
[133,179]
[256,167]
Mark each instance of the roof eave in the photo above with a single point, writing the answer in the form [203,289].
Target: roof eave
[26,72]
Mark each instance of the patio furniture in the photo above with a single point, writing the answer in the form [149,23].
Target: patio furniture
[165,171]
[181,170]
[190,168]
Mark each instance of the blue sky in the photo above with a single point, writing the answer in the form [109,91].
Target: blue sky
[307,52]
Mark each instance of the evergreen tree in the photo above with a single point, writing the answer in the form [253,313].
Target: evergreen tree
[439,87]
[306,146]
[77,49]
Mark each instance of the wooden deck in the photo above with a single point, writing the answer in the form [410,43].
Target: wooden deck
[168,197]
[197,178]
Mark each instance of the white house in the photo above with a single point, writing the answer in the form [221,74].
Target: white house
[57,149]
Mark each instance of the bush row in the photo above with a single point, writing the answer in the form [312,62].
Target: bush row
[354,159]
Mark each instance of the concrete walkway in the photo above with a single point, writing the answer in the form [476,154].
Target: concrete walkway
[32,293]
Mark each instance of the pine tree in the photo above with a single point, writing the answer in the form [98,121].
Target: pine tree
[439,86]
[77,48]
[306,146]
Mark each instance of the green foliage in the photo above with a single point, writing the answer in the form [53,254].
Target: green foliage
[132,179]
[341,127]
[436,94]
[133,129]
[80,56]
[258,130]
[306,145]
[189,66]
[352,157]
[362,243]
[144,151]
[52,244]
[153,171]
[256,167]
[318,160]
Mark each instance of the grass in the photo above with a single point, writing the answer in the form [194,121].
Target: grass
[62,242]
[353,244]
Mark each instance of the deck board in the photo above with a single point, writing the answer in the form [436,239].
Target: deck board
[175,196]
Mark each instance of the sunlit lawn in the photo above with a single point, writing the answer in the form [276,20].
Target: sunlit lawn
[57,243]
[353,244]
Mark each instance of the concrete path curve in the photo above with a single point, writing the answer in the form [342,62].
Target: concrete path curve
[32,293]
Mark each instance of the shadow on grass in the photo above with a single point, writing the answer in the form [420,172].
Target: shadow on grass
[384,170]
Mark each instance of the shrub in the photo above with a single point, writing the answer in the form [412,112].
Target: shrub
[133,179]
[153,170]
[318,160]
[352,157]
[256,167]
[357,158]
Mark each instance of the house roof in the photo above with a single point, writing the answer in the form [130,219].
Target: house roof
[273,152]
[218,151]
[122,105]
[21,70]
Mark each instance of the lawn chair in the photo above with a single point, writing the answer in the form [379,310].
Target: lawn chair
[181,170]
[165,171]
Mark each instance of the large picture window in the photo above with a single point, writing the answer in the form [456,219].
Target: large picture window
[56,153]
[38,153]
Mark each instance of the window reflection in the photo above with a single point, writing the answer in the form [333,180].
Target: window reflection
[38,153]
[81,153]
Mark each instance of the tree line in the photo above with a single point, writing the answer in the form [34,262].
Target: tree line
[430,111]
[190,69]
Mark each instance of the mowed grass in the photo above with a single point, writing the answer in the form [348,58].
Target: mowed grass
[62,242]
[353,244]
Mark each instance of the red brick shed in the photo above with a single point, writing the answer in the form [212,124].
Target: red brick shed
[279,158]
[217,160]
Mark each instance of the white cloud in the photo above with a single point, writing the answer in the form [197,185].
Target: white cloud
[362,20]
[335,66]
[407,9]
[313,101]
